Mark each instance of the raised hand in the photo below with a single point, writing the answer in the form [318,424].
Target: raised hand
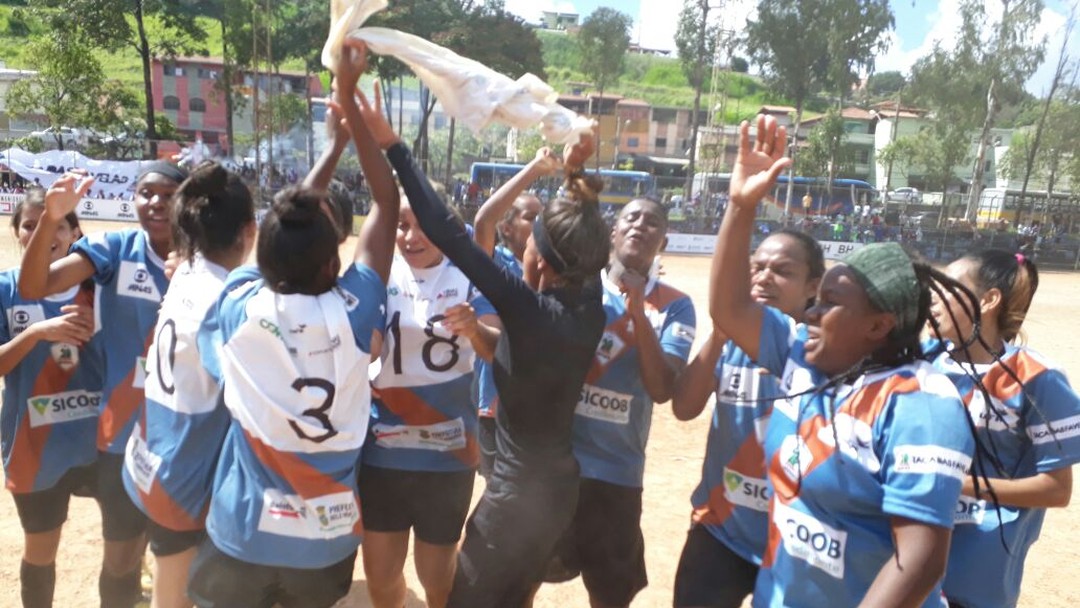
[65,193]
[547,161]
[758,166]
[577,155]
[460,320]
[350,65]
[376,122]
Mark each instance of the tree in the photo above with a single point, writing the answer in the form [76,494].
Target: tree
[740,65]
[885,84]
[603,40]
[69,89]
[805,46]
[696,40]
[826,153]
[116,24]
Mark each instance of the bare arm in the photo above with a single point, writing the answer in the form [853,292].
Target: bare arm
[756,170]
[1041,491]
[659,370]
[75,326]
[494,208]
[337,136]
[698,381]
[375,247]
[918,564]
[37,278]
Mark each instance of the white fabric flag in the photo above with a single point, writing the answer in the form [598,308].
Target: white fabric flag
[471,92]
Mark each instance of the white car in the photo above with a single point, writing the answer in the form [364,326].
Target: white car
[904,195]
[71,138]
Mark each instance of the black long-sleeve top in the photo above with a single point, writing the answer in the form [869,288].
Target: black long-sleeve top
[545,350]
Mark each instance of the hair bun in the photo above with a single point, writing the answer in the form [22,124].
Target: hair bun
[298,207]
[208,179]
[585,188]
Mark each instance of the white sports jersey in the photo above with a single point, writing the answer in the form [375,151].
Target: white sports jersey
[423,417]
[295,376]
[171,456]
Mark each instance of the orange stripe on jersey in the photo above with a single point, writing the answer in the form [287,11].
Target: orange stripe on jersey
[25,459]
[123,403]
[1000,384]
[663,295]
[749,460]
[166,512]
[621,328]
[414,411]
[305,480]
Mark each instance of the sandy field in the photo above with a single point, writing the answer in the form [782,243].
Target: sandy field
[674,467]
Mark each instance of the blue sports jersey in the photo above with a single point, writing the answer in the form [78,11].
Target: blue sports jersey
[842,465]
[131,281]
[49,419]
[487,398]
[732,500]
[171,455]
[981,573]
[295,375]
[614,411]
[422,414]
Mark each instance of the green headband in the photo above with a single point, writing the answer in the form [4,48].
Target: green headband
[886,272]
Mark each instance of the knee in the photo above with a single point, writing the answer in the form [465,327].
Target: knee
[122,557]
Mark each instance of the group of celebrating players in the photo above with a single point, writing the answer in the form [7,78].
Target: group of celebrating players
[880,437]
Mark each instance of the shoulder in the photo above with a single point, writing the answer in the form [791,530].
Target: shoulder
[668,296]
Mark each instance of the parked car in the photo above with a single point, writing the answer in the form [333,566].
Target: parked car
[70,137]
[911,196]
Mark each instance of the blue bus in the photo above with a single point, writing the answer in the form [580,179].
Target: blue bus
[620,187]
[846,194]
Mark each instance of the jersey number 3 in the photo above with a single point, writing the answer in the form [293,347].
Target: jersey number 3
[318,413]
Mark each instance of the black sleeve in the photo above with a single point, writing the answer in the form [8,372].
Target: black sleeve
[512,297]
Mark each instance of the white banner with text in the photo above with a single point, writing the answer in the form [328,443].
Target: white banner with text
[705,244]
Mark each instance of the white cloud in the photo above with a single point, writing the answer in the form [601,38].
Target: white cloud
[530,10]
[659,19]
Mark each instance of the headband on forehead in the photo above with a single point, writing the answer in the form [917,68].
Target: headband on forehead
[169,170]
[544,246]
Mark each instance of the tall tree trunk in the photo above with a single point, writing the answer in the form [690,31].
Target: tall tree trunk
[794,153]
[699,70]
[226,81]
[450,153]
[148,88]
[600,123]
[892,139]
[980,158]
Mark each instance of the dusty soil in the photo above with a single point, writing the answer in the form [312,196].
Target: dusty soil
[674,466]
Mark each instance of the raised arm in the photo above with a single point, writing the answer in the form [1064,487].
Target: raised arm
[337,139]
[756,169]
[75,325]
[37,278]
[698,381]
[494,209]
[375,247]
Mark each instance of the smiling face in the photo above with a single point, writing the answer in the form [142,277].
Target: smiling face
[843,327]
[780,275]
[153,204]
[639,235]
[65,233]
[412,243]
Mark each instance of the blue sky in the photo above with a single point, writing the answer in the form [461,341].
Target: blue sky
[918,24]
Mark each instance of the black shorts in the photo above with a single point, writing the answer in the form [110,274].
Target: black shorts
[485,436]
[121,520]
[710,575]
[604,544]
[221,581]
[509,540]
[433,504]
[165,542]
[48,509]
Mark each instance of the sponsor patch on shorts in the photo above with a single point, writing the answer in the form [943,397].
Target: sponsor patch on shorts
[807,539]
[440,437]
[930,460]
[323,517]
[1066,428]
[58,408]
[602,404]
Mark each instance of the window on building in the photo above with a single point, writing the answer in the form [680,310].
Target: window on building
[862,156]
[171,102]
[661,142]
[195,104]
[171,69]
[208,74]
[632,142]
[664,114]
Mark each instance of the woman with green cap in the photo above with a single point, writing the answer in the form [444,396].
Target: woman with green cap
[867,451]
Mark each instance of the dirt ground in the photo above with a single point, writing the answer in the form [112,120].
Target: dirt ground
[674,467]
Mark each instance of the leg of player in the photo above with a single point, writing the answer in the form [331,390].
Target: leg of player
[37,575]
[435,565]
[384,567]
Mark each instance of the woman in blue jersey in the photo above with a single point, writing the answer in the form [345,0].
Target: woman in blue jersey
[129,270]
[646,342]
[726,542]
[418,463]
[502,228]
[867,453]
[52,387]
[294,344]
[173,449]
[1029,424]
[552,321]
